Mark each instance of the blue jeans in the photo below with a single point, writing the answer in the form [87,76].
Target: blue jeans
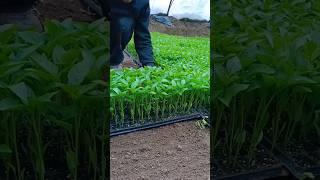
[122,30]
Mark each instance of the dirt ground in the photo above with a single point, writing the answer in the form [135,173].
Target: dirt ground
[182,28]
[62,9]
[174,152]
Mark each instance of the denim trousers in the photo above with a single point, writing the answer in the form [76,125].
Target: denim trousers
[122,30]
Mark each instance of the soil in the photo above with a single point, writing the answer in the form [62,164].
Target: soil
[304,155]
[178,151]
[63,9]
[182,28]
[77,11]
[128,62]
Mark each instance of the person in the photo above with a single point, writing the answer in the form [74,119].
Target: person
[129,18]
[20,13]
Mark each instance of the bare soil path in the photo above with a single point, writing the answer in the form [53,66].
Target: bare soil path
[175,152]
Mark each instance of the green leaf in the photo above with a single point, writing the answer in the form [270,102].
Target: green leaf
[303,89]
[308,175]
[85,88]
[8,104]
[301,41]
[63,124]
[23,91]
[47,97]
[5,151]
[71,160]
[301,80]
[238,17]
[234,65]
[32,37]
[7,32]
[261,68]
[43,62]
[173,82]
[69,57]
[315,54]
[269,38]
[57,54]
[116,90]
[232,91]
[24,53]
[101,62]
[3,85]
[164,93]
[80,70]
[260,137]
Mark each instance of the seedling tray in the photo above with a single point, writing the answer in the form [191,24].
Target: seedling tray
[291,163]
[259,174]
[150,124]
[267,166]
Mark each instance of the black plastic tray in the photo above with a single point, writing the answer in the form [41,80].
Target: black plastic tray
[295,170]
[145,126]
[276,171]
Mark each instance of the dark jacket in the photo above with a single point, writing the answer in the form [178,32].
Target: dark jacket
[118,8]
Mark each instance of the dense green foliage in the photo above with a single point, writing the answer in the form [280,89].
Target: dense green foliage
[53,100]
[180,83]
[267,73]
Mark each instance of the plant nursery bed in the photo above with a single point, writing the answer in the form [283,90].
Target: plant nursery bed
[55,160]
[177,151]
[265,166]
[51,131]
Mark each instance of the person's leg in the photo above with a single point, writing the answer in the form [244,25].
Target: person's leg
[120,35]
[142,39]
[115,43]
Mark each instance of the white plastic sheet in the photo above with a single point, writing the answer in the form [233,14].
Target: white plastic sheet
[192,9]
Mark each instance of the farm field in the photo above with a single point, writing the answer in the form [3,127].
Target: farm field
[266,89]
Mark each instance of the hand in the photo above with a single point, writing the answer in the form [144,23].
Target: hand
[127,1]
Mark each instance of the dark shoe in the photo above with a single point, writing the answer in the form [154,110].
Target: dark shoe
[23,20]
[149,65]
[116,67]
